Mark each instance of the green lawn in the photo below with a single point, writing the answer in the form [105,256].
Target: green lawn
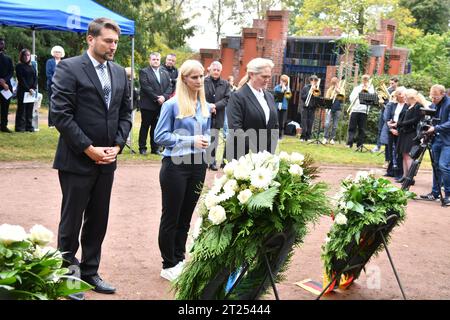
[41,146]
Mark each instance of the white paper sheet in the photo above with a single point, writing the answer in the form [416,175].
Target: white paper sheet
[7,94]
[27,98]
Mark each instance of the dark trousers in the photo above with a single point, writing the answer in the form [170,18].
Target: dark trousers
[282,114]
[49,91]
[180,186]
[211,151]
[4,104]
[24,114]
[358,121]
[307,122]
[85,207]
[149,120]
[395,167]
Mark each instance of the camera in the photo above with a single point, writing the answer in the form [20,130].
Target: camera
[428,120]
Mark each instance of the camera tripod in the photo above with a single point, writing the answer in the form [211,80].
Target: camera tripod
[414,169]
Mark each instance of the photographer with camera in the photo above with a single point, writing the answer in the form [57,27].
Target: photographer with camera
[440,145]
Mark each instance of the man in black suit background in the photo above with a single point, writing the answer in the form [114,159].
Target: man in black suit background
[252,114]
[217,93]
[169,66]
[155,89]
[91,110]
[6,73]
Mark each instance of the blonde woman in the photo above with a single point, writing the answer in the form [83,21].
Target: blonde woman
[183,129]
[252,115]
[407,128]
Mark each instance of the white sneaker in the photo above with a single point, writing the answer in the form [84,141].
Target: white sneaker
[171,274]
[324,141]
[376,149]
[331,141]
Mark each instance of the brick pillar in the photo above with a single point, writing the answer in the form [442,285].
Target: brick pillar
[209,55]
[276,39]
[251,47]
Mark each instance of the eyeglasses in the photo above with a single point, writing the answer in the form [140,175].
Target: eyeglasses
[435,97]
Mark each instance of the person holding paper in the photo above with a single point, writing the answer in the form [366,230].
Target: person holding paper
[6,73]
[26,90]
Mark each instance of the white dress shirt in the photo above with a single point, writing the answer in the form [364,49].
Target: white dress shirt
[398,109]
[259,94]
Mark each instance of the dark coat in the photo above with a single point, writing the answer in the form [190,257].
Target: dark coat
[50,67]
[26,77]
[244,112]
[150,88]
[443,126]
[6,69]
[219,96]
[81,115]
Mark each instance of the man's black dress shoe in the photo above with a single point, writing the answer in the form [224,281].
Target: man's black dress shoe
[76,296]
[143,152]
[213,167]
[5,130]
[99,285]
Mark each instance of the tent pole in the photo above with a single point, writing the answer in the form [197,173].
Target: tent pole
[34,40]
[132,72]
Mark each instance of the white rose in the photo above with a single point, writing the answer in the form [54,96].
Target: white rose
[261,178]
[229,168]
[211,200]
[40,252]
[40,235]
[218,183]
[297,158]
[285,156]
[340,219]
[217,215]
[361,175]
[197,228]
[295,169]
[242,172]
[231,186]
[244,195]
[11,233]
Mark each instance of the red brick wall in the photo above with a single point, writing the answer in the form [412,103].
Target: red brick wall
[207,56]
[252,47]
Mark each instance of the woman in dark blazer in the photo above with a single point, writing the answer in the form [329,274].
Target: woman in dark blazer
[407,128]
[27,82]
[57,53]
[252,114]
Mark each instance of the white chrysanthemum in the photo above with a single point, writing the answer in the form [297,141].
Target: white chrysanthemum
[218,184]
[295,169]
[340,219]
[11,233]
[285,156]
[261,178]
[197,227]
[217,215]
[211,200]
[231,186]
[229,167]
[244,195]
[40,235]
[361,175]
[297,158]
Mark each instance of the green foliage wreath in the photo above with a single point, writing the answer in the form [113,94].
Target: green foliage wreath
[363,202]
[259,195]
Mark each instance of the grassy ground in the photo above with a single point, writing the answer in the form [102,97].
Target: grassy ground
[41,146]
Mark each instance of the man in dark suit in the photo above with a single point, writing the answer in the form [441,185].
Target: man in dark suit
[155,89]
[217,93]
[169,66]
[6,73]
[252,114]
[91,110]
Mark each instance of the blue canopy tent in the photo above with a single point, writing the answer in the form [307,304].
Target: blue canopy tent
[61,15]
